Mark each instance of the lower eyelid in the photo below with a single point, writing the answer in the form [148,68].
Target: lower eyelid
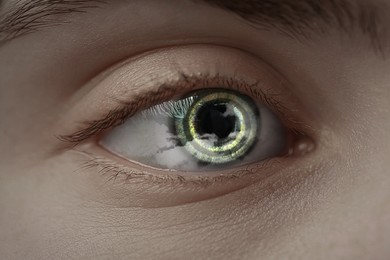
[125,186]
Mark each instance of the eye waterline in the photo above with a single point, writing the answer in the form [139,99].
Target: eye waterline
[119,173]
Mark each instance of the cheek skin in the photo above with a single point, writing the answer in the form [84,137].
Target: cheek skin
[305,208]
[123,231]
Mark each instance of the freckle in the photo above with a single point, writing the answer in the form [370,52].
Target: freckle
[303,146]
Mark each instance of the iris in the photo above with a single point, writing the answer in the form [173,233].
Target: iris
[219,127]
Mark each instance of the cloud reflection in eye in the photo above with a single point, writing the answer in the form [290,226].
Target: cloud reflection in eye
[208,130]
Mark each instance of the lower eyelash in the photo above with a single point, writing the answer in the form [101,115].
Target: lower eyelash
[118,174]
[110,169]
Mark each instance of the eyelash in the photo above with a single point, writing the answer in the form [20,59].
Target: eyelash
[114,171]
[165,92]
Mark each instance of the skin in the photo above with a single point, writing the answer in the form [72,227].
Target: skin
[332,203]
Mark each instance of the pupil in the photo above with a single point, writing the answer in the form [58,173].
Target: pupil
[213,118]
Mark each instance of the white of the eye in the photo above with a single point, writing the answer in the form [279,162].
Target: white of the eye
[149,141]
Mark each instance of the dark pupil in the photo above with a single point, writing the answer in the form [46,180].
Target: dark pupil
[211,120]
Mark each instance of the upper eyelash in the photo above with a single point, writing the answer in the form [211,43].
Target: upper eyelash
[116,116]
[166,91]
[171,109]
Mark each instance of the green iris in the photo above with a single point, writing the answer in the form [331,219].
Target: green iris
[219,127]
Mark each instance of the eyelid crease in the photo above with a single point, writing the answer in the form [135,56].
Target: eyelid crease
[165,91]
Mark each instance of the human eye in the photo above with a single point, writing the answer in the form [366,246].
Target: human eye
[199,121]
[207,130]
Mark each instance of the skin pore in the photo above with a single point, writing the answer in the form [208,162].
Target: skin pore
[67,65]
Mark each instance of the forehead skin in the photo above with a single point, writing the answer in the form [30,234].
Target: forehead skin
[334,204]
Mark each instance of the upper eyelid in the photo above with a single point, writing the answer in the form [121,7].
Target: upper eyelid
[114,117]
[125,88]
[127,109]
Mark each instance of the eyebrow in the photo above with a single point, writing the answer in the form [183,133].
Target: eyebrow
[29,16]
[298,19]
[302,19]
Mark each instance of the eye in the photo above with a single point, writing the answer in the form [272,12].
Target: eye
[187,124]
[209,129]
